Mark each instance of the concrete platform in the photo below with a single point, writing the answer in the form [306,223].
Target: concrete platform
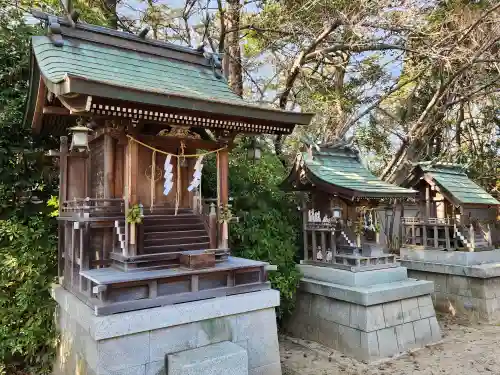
[466,283]
[141,342]
[376,316]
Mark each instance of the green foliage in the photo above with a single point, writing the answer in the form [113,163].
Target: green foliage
[134,215]
[27,269]
[27,232]
[268,227]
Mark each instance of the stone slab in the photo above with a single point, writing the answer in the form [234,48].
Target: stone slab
[343,277]
[368,295]
[225,358]
[459,258]
[482,271]
[105,327]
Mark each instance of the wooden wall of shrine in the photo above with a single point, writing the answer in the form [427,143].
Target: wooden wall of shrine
[103,173]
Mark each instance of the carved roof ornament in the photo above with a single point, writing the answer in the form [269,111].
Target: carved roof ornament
[54,31]
[180,132]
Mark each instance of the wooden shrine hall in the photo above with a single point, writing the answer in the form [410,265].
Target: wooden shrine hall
[341,205]
[134,231]
[451,212]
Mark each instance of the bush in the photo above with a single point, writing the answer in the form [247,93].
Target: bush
[269,223]
[27,269]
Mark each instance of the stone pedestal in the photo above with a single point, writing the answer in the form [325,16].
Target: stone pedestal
[219,333]
[366,315]
[466,283]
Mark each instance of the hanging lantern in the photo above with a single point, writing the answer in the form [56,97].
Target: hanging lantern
[80,138]
[337,212]
[254,151]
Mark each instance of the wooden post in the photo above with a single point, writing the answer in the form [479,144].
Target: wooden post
[212,226]
[472,237]
[455,235]
[488,235]
[133,166]
[413,239]
[313,244]
[109,158]
[63,172]
[323,246]
[427,202]
[424,234]
[358,240]
[447,237]
[223,156]
[304,227]
[436,240]
[333,241]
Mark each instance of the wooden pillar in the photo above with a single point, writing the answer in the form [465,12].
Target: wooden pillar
[488,235]
[223,164]
[447,237]
[63,172]
[333,241]
[436,241]
[427,202]
[323,246]
[424,235]
[455,236]
[304,227]
[109,168]
[109,189]
[313,244]
[472,237]
[212,225]
[413,238]
[133,166]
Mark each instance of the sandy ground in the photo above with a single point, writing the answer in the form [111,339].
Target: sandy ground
[472,349]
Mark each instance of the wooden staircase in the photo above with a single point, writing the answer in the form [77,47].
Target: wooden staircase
[480,242]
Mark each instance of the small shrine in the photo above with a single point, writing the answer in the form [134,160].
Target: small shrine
[451,212]
[135,233]
[354,297]
[452,239]
[343,207]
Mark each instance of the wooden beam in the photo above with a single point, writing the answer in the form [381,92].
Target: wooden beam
[109,159]
[41,97]
[133,171]
[174,142]
[53,110]
[63,172]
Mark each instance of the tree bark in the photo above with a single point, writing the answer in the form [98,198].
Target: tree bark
[233,50]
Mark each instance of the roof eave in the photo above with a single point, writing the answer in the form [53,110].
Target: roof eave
[83,86]
[351,193]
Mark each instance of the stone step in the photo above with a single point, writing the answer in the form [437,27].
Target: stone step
[174,234]
[176,241]
[173,227]
[176,247]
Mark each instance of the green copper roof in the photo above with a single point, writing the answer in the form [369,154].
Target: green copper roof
[129,69]
[343,169]
[454,181]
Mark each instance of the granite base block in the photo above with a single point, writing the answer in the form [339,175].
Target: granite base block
[224,358]
[366,332]
[140,342]
[467,284]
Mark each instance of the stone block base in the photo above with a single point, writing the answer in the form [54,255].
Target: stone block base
[472,298]
[142,342]
[224,358]
[365,331]
[465,284]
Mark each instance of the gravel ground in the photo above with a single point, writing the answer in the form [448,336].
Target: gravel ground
[472,349]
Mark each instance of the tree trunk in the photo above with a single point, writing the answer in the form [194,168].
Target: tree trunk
[233,49]
[109,8]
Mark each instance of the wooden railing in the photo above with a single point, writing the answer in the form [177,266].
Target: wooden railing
[87,207]
[430,221]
